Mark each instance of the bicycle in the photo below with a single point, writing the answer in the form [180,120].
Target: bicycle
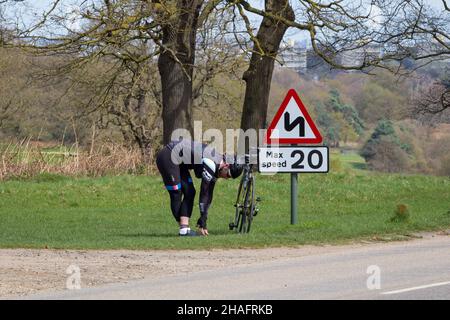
[246,202]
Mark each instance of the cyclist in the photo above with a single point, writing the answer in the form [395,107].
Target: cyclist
[175,161]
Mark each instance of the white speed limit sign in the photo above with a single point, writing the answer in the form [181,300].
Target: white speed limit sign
[293,159]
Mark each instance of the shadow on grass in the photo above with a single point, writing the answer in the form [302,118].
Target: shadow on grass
[148,235]
[358,165]
[175,235]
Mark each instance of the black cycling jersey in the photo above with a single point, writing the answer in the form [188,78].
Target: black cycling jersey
[174,162]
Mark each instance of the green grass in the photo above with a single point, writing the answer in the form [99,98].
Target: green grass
[353,161]
[133,212]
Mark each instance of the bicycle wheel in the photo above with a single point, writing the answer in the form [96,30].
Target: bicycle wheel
[249,205]
[238,206]
[241,209]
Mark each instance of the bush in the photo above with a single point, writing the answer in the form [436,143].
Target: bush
[383,151]
[388,157]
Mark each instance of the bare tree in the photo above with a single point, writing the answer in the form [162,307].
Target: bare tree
[435,99]
[146,50]
[175,64]
[373,33]
[138,106]
[347,35]
[13,83]
[432,102]
[258,76]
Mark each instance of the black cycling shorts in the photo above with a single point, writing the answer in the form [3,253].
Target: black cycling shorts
[173,174]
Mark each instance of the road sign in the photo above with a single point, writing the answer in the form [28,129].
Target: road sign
[292,123]
[293,159]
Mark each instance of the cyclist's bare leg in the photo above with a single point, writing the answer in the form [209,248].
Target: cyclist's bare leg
[184,221]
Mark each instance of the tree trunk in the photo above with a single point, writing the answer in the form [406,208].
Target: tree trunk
[175,65]
[258,77]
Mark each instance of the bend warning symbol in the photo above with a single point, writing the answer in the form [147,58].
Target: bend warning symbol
[292,123]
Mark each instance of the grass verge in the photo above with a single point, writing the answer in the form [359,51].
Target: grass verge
[133,212]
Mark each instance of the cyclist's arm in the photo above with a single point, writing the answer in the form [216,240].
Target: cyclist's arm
[205,199]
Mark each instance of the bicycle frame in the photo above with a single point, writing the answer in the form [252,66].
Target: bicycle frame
[245,202]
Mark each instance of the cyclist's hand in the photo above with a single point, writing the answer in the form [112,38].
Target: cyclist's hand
[203,232]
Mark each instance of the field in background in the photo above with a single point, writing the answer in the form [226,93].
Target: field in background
[53,211]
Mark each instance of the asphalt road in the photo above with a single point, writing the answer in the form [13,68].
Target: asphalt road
[417,269]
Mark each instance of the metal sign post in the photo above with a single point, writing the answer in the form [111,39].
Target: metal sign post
[294,198]
[293,160]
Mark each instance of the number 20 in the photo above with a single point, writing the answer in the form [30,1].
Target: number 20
[298,164]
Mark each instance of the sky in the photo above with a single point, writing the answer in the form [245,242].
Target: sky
[43,4]
[37,7]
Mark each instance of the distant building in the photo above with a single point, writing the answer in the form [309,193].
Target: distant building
[300,57]
[293,55]
[359,56]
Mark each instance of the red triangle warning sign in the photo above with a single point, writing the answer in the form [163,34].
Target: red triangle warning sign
[292,123]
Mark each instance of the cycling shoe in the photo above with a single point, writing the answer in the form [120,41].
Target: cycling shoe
[190,233]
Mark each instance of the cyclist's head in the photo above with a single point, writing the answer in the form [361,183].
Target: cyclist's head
[230,168]
[224,170]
